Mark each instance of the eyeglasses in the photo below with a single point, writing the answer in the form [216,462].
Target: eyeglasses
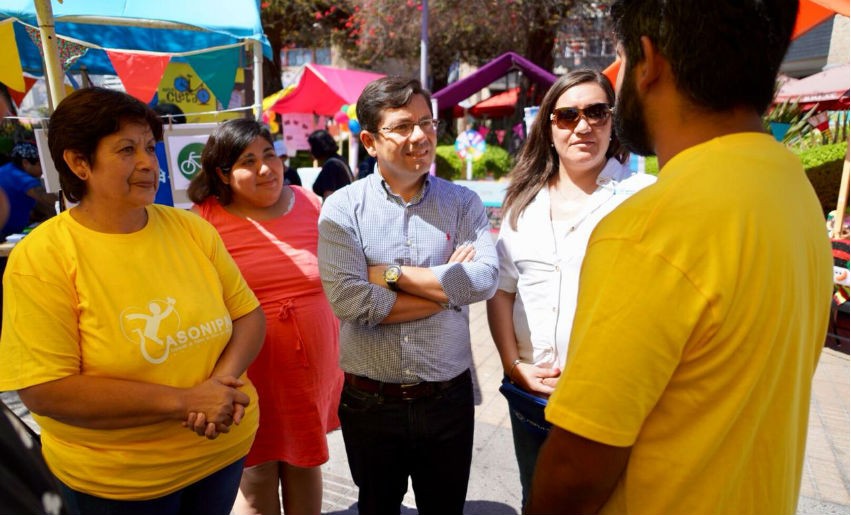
[568,117]
[405,129]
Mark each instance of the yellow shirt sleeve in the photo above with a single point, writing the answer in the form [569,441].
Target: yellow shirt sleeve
[619,359]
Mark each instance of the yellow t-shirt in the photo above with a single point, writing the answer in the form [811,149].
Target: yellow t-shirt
[153,306]
[703,305]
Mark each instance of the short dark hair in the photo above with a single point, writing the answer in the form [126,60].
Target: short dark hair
[84,118]
[723,53]
[170,113]
[391,92]
[24,151]
[224,146]
[322,144]
[538,160]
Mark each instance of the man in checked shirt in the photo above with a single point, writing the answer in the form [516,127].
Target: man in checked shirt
[402,254]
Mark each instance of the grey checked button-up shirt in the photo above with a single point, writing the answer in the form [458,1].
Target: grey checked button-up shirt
[365,224]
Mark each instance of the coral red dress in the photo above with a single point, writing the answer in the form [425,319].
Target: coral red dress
[296,374]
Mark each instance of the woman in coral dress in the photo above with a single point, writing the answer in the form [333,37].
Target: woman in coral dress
[270,229]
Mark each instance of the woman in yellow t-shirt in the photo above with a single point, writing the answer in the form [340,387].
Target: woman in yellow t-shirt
[127,328]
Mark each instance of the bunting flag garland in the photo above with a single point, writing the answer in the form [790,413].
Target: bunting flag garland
[69,52]
[518,131]
[217,70]
[11,73]
[139,73]
[18,96]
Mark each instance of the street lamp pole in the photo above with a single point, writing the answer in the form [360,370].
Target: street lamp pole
[424,46]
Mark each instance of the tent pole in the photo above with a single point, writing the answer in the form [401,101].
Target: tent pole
[258,79]
[424,47]
[54,73]
[842,200]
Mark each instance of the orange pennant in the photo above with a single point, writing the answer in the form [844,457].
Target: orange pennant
[139,73]
[18,96]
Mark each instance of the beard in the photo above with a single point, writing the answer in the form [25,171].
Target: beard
[630,123]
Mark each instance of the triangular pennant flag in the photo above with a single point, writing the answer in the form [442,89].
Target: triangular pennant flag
[483,131]
[217,70]
[11,73]
[140,73]
[69,52]
[18,96]
[500,135]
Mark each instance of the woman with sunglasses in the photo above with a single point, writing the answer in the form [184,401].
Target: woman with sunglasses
[570,173]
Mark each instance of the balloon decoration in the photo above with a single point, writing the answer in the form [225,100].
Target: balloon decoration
[470,145]
[347,119]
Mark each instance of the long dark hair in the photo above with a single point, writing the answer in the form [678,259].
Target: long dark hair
[538,161]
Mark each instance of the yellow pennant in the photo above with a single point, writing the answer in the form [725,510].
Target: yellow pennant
[11,73]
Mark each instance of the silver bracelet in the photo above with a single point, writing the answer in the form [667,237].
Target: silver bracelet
[511,370]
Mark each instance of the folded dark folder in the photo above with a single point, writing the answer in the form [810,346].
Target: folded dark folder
[527,407]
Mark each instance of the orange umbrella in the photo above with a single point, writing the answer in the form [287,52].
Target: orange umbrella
[810,14]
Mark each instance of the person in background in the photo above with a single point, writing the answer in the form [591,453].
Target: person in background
[569,175]
[20,178]
[127,328]
[401,255]
[335,172]
[26,485]
[170,114]
[366,166]
[290,174]
[270,229]
[704,298]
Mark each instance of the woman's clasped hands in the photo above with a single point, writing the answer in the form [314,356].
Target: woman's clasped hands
[214,405]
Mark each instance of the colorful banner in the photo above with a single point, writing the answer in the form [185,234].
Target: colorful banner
[11,73]
[297,127]
[139,73]
[182,87]
[217,70]
[69,52]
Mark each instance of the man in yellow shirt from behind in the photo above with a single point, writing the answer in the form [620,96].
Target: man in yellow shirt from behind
[703,300]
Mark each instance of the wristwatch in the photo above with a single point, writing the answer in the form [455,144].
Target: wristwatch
[391,276]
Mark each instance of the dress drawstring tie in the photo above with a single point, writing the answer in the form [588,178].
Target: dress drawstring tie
[287,312]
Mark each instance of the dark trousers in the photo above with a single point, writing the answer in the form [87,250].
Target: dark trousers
[212,495]
[429,439]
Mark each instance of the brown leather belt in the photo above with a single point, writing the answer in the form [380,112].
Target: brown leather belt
[407,392]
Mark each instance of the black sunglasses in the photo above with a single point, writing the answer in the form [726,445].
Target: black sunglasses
[568,117]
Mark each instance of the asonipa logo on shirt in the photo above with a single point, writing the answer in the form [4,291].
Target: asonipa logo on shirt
[157,330]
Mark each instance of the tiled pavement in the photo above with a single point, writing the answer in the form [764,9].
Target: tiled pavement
[494,488]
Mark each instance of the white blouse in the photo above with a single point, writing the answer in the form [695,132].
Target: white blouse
[541,260]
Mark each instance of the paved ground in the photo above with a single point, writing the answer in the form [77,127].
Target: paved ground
[495,489]
[494,485]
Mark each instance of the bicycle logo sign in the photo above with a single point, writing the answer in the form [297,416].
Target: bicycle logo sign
[189,160]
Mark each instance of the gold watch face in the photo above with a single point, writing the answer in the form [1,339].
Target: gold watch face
[391,275]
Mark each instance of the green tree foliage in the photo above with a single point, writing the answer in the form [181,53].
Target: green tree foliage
[473,31]
[494,163]
[299,23]
[371,31]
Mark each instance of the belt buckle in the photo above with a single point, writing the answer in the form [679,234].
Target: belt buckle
[407,391]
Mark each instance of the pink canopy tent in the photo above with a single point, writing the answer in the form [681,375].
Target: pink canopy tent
[828,88]
[322,90]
